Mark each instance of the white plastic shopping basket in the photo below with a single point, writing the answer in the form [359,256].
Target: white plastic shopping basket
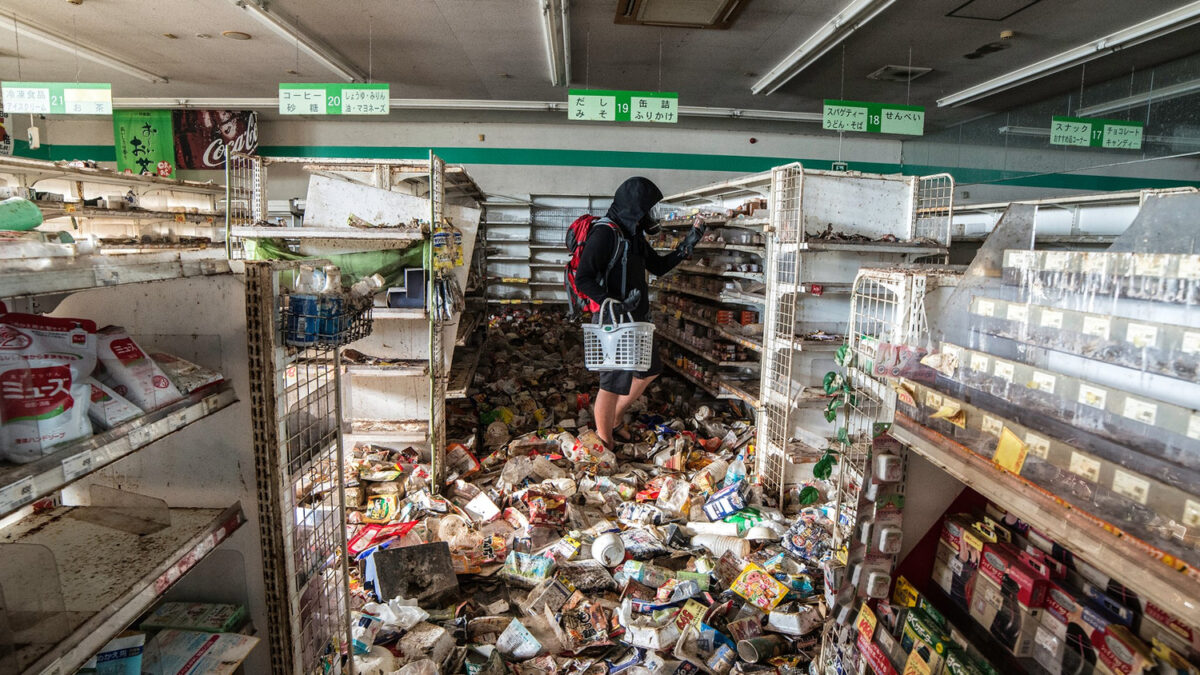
[613,345]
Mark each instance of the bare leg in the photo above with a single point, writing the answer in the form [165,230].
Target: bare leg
[605,413]
[636,389]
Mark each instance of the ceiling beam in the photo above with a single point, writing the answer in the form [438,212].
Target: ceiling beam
[85,51]
[852,17]
[320,52]
[1163,24]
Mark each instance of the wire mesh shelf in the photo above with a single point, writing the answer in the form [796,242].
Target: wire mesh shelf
[325,321]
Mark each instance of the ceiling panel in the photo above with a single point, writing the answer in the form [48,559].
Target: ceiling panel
[494,49]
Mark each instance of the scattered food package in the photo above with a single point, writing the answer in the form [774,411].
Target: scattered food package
[656,556]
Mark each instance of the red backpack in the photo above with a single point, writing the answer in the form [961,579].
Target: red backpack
[577,235]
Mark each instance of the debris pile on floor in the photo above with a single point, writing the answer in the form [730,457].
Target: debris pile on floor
[554,554]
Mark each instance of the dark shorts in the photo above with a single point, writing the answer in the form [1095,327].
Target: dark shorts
[619,381]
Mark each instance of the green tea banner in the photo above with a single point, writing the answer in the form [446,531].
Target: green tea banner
[145,141]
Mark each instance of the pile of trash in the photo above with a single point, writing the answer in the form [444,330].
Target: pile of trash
[546,552]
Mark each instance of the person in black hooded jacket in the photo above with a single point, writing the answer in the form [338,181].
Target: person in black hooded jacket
[613,265]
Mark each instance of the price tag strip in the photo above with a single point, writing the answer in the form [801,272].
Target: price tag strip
[57,98]
[1171,501]
[1162,348]
[1066,391]
[334,98]
[873,118]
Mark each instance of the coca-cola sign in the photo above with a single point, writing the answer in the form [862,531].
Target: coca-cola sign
[204,137]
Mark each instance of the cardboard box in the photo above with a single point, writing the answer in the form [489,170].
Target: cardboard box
[1002,562]
[727,501]
[923,636]
[997,609]
[1120,652]
[954,575]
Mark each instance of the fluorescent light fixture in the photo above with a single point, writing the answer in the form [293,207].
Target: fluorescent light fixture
[310,45]
[1154,95]
[1176,19]
[65,43]
[850,19]
[1038,132]
[461,104]
[556,27]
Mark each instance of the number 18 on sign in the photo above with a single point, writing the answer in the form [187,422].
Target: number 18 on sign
[875,118]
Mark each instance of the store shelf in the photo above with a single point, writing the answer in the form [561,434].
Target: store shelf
[462,372]
[407,369]
[740,298]
[399,313]
[47,276]
[387,431]
[506,223]
[661,286]
[677,339]
[54,210]
[730,390]
[699,269]
[468,322]
[725,333]
[59,170]
[21,484]
[548,265]
[507,258]
[1159,579]
[706,387]
[526,301]
[109,577]
[680,223]
[825,288]
[897,248]
[330,233]
[536,247]
[544,284]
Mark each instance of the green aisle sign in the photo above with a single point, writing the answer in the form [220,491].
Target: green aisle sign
[334,98]
[1095,133]
[623,106]
[875,118]
[57,98]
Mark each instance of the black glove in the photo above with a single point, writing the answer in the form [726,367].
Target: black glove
[693,237]
[631,302]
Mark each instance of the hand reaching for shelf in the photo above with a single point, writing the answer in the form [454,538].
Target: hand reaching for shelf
[693,237]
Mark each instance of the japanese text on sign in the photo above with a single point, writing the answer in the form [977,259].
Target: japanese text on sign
[876,118]
[1096,133]
[57,98]
[623,106]
[334,99]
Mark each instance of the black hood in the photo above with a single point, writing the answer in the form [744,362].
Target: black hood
[632,204]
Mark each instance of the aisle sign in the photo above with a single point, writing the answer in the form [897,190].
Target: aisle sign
[623,106]
[1095,133]
[875,118]
[57,98]
[334,98]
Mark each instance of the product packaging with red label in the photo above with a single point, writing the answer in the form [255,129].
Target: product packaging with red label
[1001,561]
[131,373]
[43,394]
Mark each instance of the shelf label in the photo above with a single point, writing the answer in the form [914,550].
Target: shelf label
[875,118]
[1095,133]
[1096,326]
[1129,485]
[1140,335]
[1094,397]
[1191,513]
[16,494]
[1191,343]
[1038,445]
[1051,319]
[1055,261]
[1043,381]
[1018,313]
[1004,371]
[991,425]
[334,98]
[79,465]
[985,307]
[1140,411]
[603,105]
[979,362]
[57,98]
[1084,466]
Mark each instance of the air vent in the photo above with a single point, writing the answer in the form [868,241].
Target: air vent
[679,13]
[990,10]
[898,73]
